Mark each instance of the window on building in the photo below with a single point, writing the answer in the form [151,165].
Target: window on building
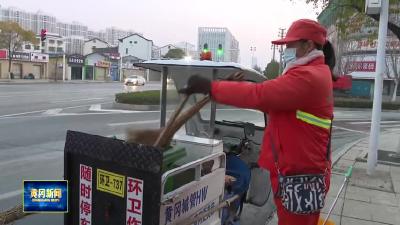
[135,42]
[59,49]
[130,42]
[27,47]
[51,41]
[42,43]
[59,42]
[37,47]
[52,49]
[126,51]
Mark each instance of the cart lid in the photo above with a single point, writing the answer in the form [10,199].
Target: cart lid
[205,66]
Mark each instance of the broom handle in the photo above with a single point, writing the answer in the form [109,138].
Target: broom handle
[171,121]
[346,179]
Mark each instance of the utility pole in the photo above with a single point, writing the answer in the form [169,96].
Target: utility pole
[281,35]
[377,104]
[273,47]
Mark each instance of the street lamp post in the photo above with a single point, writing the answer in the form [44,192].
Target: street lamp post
[377,104]
[252,50]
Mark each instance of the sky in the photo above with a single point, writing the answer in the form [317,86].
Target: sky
[253,22]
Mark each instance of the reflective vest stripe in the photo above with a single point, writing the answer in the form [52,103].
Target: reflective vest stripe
[311,119]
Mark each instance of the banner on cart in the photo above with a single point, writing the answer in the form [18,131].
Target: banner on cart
[111,182]
[197,197]
[45,196]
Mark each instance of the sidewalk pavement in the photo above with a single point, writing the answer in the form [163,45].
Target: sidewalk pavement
[367,200]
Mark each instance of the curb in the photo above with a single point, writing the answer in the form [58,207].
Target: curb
[365,109]
[133,107]
[343,150]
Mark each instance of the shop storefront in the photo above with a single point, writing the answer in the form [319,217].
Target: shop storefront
[97,67]
[24,65]
[75,67]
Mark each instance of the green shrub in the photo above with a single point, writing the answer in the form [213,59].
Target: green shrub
[145,97]
[363,103]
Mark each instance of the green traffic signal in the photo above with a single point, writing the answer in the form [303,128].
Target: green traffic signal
[220,50]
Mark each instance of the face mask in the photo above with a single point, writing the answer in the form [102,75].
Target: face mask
[289,55]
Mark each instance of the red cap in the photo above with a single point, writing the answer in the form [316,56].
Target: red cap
[304,29]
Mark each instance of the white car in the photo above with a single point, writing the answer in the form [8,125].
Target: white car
[135,80]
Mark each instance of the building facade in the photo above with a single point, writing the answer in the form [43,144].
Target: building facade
[24,65]
[97,67]
[92,44]
[214,37]
[29,21]
[135,45]
[74,45]
[160,52]
[54,44]
[72,29]
[113,34]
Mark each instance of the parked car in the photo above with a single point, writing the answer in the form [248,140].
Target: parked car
[29,76]
[135,80]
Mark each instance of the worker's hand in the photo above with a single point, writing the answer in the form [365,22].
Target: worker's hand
[238,76]
[197,85]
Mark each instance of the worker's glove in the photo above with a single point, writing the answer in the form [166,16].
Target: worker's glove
[196,85]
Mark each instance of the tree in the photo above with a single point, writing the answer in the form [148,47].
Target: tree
[257,68]
[349,18]
[272,70]
[392,65]
[355,8]
[175,53]
[12,36]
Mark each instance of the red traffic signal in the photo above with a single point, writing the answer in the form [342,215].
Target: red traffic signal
[43,34]
[206,56]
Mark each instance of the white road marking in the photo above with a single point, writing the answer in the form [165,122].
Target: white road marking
[44,110]
[343,128]
[24,113]
[384,126]
[134,122]
[10,194]
[97,107]
[77,100]
[52,111]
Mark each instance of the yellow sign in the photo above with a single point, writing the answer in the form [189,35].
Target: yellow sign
[111,182]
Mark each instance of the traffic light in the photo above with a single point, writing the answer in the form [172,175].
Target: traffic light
[220,50]
[206,53]
[205,48]
[43,34]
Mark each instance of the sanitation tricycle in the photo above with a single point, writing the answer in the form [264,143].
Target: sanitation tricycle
[208,174]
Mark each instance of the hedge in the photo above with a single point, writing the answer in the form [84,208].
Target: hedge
[153,98]
[145,97]
[363,103]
